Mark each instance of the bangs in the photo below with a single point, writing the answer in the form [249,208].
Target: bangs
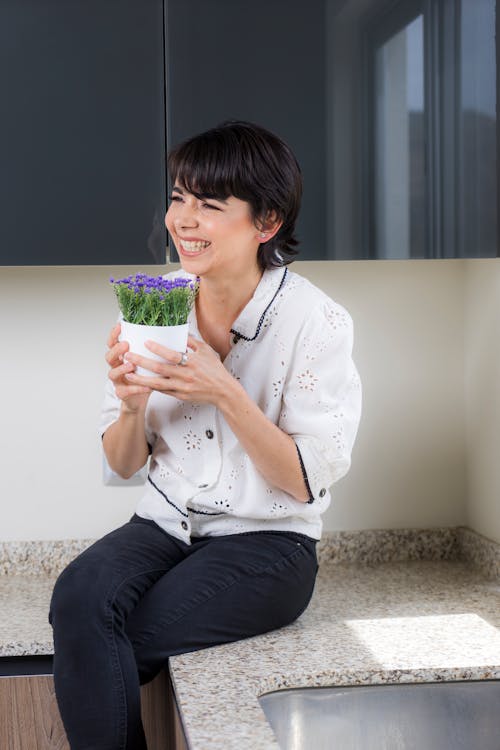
[213,165]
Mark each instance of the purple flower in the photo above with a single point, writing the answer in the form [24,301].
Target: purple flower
[153,300]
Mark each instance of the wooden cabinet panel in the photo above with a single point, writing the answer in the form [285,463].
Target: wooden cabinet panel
[155,712]
[176,737]
[30,718]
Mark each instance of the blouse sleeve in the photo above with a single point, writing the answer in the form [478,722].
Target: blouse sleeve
[110,408]
[322,398]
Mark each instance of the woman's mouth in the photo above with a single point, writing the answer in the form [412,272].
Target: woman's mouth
[193,247]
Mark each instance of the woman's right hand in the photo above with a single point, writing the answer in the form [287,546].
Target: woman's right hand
[134,397]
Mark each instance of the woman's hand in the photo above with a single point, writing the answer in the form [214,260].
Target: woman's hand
[203,377]
[134,397]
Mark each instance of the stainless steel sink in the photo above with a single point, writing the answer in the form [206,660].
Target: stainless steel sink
[418,716]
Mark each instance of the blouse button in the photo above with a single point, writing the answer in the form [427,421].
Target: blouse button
[209,434]
[184,525]
[322,492]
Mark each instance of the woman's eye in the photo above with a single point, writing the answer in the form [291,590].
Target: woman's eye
[176,198]
[210,205]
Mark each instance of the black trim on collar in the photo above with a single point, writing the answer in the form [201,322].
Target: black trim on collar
[237,335]
[166,498]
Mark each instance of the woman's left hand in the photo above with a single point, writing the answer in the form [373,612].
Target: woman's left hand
[203,377]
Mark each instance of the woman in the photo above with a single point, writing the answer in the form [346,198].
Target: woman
[246,431]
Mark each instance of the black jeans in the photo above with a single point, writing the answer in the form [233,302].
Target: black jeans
[139,595]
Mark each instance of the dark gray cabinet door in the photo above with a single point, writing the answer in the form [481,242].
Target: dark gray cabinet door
[262,61]
[82,132]
[389,105]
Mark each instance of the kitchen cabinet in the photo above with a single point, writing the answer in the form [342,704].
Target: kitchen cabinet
[389,105]
[30,717]
[82,132]
[31,721]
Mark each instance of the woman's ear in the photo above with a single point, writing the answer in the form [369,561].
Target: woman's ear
[269,227]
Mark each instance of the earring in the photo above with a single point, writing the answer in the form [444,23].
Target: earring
[262,234]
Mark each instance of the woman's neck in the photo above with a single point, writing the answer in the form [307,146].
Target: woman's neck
[218,305]
[222,300]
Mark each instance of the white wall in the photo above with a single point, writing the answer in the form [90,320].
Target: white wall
[409,461]
[482,378]
[54,326]
[408,465]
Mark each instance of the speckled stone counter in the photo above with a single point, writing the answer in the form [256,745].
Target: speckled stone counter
[423,614]
[396,622]
[24,625]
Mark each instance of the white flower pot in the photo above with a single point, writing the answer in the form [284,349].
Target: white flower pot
[173,337]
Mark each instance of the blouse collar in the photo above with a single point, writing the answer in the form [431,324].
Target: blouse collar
[249,322]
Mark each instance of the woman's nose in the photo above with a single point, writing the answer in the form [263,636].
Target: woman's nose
[186,216]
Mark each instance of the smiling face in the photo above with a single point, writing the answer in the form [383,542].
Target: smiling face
[213,236]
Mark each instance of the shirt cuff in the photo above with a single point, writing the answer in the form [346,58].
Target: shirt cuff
[320,467]
[304,474]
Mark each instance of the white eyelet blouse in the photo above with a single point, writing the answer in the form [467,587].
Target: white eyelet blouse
[291,351]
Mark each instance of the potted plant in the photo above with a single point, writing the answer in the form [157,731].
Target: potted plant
[156,309]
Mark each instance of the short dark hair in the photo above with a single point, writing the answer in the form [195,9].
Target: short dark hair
[248,162]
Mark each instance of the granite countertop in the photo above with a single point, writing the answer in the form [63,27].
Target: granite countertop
[407,620]
[396,622]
